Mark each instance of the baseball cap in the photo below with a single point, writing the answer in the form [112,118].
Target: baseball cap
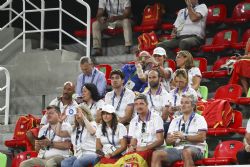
[108,108]
[159,51]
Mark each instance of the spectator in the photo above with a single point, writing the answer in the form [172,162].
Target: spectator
[121,97]
[92,99]
[82,137]
[157,96]
[90,74]
[189,28]
[187,133]
[184,60]
[50,147]
[66,103]
[160,56]
[119,13]
[111,135]
[243,156]
[146,128]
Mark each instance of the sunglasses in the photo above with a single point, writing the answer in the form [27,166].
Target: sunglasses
[143,128]
[183,127]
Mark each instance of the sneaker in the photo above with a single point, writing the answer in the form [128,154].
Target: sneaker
[127,50]
[97,52]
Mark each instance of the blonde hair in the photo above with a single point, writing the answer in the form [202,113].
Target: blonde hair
[86,112]
[189,63]
[181,72]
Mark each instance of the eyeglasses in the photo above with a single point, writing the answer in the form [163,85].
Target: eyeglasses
[143,128]
[183,127]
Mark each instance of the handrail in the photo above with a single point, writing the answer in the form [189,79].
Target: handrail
[42,30]
[8,2]
[7,95]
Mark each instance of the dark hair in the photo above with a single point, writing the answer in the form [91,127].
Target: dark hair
[114,123]
[158,72]
[93,91]
[85,60]
[117,72]
[142,97]
[57,109]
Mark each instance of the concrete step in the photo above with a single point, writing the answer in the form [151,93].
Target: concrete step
[3,138]
[6,36]
[7,128]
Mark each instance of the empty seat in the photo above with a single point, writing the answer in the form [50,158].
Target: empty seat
[229,92]
[201,63]
[106,69]
[242,44]
[216,14]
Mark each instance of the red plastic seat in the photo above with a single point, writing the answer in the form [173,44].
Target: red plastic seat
[221,41]
[215,71]
[22,157]
[216,14]
[201,63]
[167,26]
[181,163]
[225,153]
[106,69]
[242,44]
[229,92]
[171,64]
[241,13]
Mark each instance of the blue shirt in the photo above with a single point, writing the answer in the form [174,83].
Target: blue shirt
[99,80]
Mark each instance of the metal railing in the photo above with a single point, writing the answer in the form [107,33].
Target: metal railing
[7,95]
[42,30]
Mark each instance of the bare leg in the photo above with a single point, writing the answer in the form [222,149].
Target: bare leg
[31,139]
[187,158]
[158,157]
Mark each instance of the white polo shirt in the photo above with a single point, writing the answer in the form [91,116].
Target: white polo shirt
[157,102]
[83,141]
[185,26]
[70,116]
[95,106]
[120,103]
[195,124]
[175,97]
[248,126]
[114,7]
[109,139]
[194,71]
[154,125]
[49,133]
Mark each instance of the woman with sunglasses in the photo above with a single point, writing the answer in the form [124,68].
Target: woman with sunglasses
[111,136]
[184,60]
[82,137]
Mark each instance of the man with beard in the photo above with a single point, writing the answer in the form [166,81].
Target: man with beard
[157,96]
[66,103]
[146,128]
[121,98]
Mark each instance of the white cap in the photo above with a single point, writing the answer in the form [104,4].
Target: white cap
[108,108]
[160,51]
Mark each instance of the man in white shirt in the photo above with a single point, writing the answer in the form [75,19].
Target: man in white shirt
[146,128]
[157,96]
[187,133]
[189,28]
[119,13]
[51,148]
[121,98]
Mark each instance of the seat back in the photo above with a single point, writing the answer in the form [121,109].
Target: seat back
[22,157]
[201,63]
[230,91]
[237,121]
[204,92]
[219,62]
[242,10]
[225,37]
[246,35]
[228,149]
[216,13]
[106,69]
[3,160]
[170,63]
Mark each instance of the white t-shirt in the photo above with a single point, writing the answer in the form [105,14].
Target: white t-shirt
[109,139]
[198,123]
[185,26]
[70,117]
[194,71]
[154,125]
[248,126]
[114,7]
[95,106]
[49,133]
[127,99]
[84,142]
[157,102]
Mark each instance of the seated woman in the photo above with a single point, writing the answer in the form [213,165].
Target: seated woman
[184,60]
[82,137]
[111,136]
[92,99]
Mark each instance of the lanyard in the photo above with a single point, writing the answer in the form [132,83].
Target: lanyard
[120,101]
[157,92]
[77,137]
[92,78]
[46,132]
[111,6]
[113,138]
[176,91]
[190,120]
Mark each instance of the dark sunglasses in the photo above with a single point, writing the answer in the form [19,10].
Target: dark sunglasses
[183,127]
[143,128]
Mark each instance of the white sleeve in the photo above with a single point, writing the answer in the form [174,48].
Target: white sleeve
[202,123]
[179,18]
[42,131]
[248,126]
[108,98]
[167,99]
[172,125]
[122,132]
[131,129]
[131,98]
[196,71]
[127,3]
[98,132]
[53,102]
[202,9]
[102,4]
[158,124]
[67,127]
